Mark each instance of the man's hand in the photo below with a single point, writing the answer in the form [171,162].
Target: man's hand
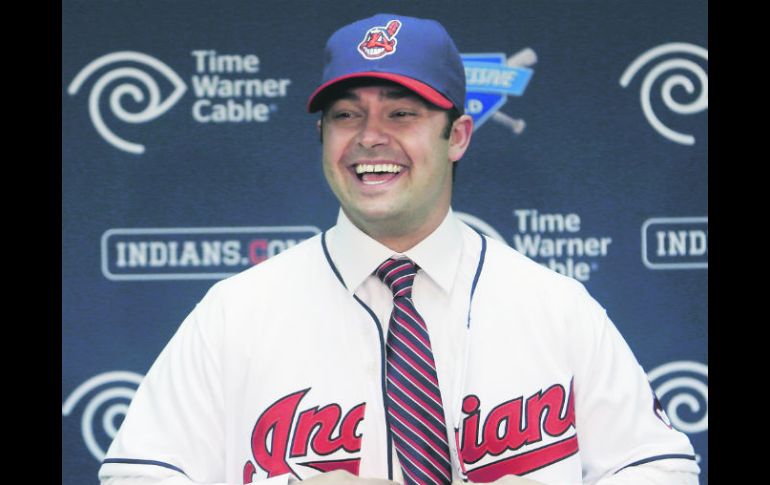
[507,480]
[341,477]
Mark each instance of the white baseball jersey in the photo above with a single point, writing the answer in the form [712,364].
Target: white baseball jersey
[279,373]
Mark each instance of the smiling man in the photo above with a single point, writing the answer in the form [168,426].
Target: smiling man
[400,345]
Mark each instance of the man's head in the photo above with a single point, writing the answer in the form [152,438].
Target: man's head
[392,98]
[416,53]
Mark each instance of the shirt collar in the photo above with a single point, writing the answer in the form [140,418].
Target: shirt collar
[357,255]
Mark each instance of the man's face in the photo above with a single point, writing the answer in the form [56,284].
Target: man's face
[386,161]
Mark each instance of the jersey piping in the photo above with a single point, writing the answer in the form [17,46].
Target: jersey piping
[133,461]
[656,458]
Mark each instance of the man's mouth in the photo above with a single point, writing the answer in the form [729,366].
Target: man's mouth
[374,174]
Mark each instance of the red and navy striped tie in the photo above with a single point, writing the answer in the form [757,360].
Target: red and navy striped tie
[415,411]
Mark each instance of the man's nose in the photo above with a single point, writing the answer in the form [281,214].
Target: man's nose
[373,133]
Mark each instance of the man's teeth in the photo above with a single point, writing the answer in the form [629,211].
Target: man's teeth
[384,167]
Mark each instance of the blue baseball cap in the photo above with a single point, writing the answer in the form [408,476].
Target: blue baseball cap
[415,53]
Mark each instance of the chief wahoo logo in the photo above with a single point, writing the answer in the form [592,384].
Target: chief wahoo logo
[380,41]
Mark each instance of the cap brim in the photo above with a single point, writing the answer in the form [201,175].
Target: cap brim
[423,90]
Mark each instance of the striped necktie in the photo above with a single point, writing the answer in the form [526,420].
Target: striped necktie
[415,411]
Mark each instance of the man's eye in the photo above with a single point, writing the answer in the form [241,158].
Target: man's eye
[342,115]
[403,114]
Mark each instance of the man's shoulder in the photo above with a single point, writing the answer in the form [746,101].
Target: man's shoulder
[513,269]
[270,291]
[511,283]
[295,263]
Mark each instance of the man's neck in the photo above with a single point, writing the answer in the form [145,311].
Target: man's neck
[397,236]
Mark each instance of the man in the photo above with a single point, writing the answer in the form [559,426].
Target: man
[400,345]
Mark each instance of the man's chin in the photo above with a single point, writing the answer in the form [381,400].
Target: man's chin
[380,220]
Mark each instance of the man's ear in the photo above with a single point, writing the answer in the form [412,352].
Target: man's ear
[460,137]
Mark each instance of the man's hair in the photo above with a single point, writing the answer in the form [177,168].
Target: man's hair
[336,92]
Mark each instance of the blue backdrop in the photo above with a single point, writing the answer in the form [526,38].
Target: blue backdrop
[187,156]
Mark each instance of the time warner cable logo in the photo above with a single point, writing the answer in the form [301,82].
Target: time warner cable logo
[133,254]
[675,243]
[224,86]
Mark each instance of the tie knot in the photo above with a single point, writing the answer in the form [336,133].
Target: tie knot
[398,274]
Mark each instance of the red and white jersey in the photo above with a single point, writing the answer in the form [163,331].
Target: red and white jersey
[278,373]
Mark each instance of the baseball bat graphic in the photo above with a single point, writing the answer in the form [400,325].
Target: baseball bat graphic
[524,58]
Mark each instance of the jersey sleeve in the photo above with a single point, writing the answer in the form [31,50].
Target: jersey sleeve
[619,423]
[173,432]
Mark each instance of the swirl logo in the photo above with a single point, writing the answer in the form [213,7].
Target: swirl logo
[673,80]
[154,106]
[116,396]
[682,387]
